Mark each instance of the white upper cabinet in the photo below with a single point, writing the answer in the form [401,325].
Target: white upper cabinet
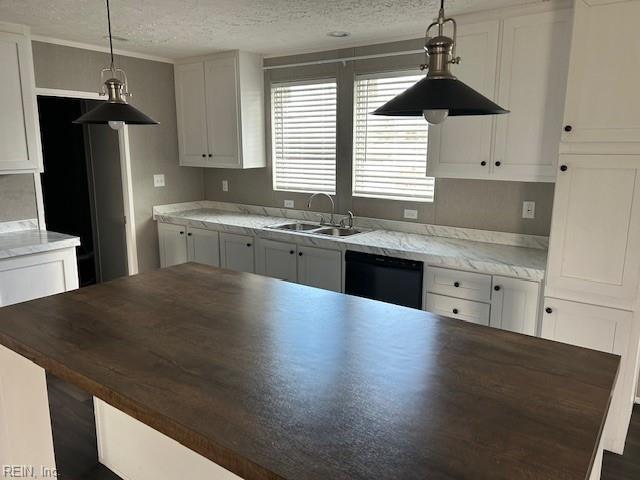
[19,131]
[603,104]
[594,250]
[461,146]
[192,114]
[532,78]
[220,109]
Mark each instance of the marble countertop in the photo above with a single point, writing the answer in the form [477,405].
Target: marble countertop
[26,242]
[463,254]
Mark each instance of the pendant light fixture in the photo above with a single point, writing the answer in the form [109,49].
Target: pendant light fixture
[115,112]
[440,94]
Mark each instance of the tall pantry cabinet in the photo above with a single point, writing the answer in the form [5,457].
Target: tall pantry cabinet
[593,271]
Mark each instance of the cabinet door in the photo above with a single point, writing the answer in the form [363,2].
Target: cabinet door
[461,146]
[607,330]
[603,104]
[173,244]
[320,268]
[594,251]
[237,252]
[203,246]
[19,139]
[222,98]
[192,116]
[533,75]
[514,305]
[277,260]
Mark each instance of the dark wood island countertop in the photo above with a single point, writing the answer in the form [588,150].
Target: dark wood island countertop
[273,380]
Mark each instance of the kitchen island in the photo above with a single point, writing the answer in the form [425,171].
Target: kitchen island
[272,380]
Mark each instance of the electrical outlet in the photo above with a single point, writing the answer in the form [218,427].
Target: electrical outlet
[158,180]
[528,209]
[288,204]
[225,185]
[411,214]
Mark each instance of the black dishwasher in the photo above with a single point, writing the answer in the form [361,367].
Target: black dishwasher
[392,280]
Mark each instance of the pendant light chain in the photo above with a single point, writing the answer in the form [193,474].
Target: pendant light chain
[110,37]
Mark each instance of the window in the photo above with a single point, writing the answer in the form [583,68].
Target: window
[389,153]
[304,136]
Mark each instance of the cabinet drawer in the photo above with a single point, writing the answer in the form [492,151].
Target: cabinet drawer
[454,283]
[474,312]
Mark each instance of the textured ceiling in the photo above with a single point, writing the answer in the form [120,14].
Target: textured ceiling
[181,28]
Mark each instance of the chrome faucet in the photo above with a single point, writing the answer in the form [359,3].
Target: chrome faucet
[347,222]
[333,206]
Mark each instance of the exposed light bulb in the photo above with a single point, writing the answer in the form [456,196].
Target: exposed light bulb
[116,125]
[434,117]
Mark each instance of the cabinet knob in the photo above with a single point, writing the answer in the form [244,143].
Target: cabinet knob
[291,252]
[204,155]
[299,254]
[483,163]
[563,168]
[497,288]
[181,233]
[455,311]
[456,284]
[248,244]
[189,234]
[210,155]
[548,310]
[568,128]
[498,163]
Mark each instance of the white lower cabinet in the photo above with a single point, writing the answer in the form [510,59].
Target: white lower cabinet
[514,305]
[203,246]
[607,330]
[321,268]
[467,310]
[237,252]
[496,301]
[316,267]
[28,277]
[172,243]
[277,260]
[179,244]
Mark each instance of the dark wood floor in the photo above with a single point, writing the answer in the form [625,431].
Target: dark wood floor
[627,466]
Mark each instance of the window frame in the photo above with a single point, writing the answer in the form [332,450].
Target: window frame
[390,73]
[305,81]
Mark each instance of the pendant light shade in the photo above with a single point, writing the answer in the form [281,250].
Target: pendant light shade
[440,94]
[115,112]
[448,94]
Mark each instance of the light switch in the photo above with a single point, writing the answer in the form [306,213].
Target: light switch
[411,214]
[528,209]
[158,180]
[225,185]
[288,204]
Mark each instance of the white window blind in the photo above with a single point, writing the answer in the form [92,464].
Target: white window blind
[304,136]
[389,153]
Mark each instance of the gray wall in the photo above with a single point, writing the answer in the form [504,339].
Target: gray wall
[17,197]
[481,204]
[154,149]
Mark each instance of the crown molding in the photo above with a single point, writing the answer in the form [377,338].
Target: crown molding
[98,48]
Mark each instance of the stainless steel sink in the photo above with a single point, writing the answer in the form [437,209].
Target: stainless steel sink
[296,227]
[337,231]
